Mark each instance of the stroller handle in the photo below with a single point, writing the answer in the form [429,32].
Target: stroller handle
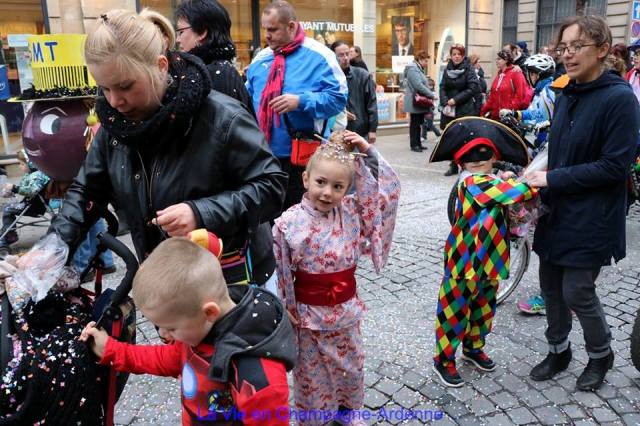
[113,311]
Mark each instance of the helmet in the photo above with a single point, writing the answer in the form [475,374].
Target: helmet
[541,64]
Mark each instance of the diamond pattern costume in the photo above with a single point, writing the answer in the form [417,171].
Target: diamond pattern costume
[476,257]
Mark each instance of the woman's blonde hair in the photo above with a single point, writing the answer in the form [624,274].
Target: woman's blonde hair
[132,41]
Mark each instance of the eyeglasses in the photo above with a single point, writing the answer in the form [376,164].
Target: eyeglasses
[179,31]
[572,48]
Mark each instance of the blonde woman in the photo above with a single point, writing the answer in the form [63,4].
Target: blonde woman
[175,155]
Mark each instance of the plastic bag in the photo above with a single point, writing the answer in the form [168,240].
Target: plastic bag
[523,215]
[38,270]
[538,164]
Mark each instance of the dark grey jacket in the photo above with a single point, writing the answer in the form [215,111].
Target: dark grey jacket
[415,81]
[362,101]
[222,168]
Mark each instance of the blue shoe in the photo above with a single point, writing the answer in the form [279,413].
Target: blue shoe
[534,305]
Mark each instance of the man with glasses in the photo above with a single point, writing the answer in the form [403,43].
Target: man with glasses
[362,106]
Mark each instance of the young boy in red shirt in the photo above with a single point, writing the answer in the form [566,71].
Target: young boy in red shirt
[230,346]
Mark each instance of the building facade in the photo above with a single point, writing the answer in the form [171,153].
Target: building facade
[389,32]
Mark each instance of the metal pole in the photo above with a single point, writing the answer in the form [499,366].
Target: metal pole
[45,16]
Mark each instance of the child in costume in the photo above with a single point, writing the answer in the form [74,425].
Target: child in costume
[230,346]
[476,257]
[317,245]
[31,184]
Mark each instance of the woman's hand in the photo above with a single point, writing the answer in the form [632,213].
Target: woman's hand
[451,102]
[537,179]
[98,338]
[176,220]
[356,140]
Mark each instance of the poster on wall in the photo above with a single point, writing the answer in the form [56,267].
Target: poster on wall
[402,49]
[402,36]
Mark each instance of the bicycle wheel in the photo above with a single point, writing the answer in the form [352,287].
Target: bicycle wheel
[635,342]
[520,252]
[451,203]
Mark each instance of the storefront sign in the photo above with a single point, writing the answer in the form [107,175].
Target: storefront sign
[634,24]
[384,111]
[399,62]
[336,26]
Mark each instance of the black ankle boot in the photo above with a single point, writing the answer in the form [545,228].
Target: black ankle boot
[453,169]
[551,365]
[594,373]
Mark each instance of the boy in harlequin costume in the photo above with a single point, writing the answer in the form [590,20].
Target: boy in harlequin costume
[317,245]
[230,346]
[477,248]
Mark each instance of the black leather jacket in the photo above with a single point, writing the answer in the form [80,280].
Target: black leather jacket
[362,101]
[222,168]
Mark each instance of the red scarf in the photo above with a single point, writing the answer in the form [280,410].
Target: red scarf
[275,81]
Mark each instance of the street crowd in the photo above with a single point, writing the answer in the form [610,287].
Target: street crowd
[272,179]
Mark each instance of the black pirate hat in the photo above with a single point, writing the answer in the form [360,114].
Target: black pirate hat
[472,130]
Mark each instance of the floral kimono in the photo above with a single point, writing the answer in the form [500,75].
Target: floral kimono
[315,245]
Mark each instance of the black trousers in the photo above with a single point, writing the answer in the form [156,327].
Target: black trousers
[415,124]
[566,289]
[295,188]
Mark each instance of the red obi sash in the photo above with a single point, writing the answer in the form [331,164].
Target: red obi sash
[328,289]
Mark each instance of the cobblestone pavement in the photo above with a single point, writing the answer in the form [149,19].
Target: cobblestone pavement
[399,339]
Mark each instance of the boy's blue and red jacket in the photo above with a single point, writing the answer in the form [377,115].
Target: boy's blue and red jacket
[311,72]
[236,375]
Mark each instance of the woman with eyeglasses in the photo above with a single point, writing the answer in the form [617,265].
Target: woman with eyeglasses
[591,145]
[176,155]
[203,28]
[509,89]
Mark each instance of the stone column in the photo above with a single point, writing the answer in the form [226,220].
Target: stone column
[364,15]
[71,17]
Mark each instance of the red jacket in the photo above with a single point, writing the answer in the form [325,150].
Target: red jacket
[256,394]
[508,91]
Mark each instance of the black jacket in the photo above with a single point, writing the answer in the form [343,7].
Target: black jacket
[226,79]
[362,101]
[257,327]
[592,142]
[222,168]
[462,88]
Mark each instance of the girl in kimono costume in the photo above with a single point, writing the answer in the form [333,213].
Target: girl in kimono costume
[317,245]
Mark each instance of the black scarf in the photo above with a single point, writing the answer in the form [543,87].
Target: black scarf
[190,85]
[209,53]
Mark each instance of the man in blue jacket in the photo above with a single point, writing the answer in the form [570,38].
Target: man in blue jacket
[591,146]
[295,82]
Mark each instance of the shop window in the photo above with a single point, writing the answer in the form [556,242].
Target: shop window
[324,20]
[510,22]
[166,7]
[551,13]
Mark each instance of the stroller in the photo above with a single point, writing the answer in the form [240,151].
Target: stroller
[48,376]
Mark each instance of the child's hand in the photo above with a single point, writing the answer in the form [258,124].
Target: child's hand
[356,140]
[7,190]
[507,174]
[97,338]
